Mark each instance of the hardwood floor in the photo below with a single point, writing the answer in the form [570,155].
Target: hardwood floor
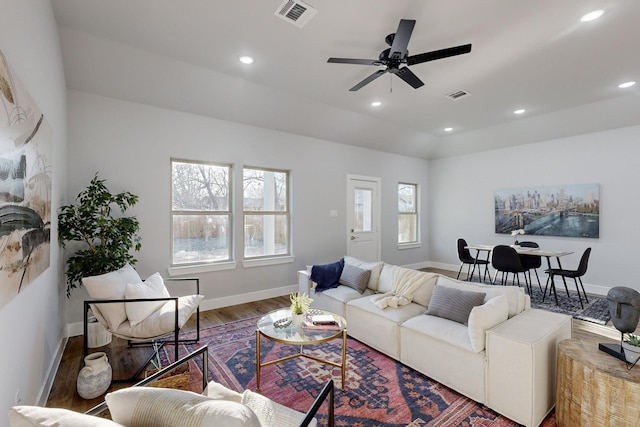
[126,360]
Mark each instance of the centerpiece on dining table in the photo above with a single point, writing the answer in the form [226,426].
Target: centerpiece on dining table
[514,234]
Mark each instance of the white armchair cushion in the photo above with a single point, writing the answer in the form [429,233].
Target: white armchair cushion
[111,286]
[162,321]
[272,414]
[153,287]
[159,407]
[30,416]
[485,317]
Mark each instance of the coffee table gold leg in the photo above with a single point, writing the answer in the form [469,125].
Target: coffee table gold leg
[344,356]
[257,360]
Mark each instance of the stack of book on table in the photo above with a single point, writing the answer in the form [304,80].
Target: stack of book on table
[321,321]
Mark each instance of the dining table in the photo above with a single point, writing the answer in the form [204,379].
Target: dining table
[523,251]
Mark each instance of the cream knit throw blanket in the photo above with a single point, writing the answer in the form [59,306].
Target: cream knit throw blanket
[405,283]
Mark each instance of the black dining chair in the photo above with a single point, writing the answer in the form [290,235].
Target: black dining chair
[505,260]
[465,257]
[531,262]
[575,274]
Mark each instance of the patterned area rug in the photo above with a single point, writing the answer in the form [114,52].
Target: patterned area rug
[596,310]
[379,391]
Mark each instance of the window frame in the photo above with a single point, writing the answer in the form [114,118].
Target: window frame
[203,266]
[268,259]
[416,213]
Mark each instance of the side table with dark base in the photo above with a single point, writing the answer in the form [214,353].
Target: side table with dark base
[594,388]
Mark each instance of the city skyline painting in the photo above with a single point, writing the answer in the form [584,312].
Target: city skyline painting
[560,210]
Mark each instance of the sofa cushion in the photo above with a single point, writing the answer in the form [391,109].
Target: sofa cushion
[385,283]
[440,329]
[485,317]
[327,276]
[30,416]
[153,287]
[159,407]
[518,300]
[453,304]
[374,267]
[111,285]
[355,277]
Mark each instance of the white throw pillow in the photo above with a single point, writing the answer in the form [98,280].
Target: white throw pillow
[160,407]
[153,287]
[485,317]
[111,286]
[29,416]
[271,413]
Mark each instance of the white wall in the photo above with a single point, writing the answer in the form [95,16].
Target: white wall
[30,324]
[462,190]
[130,145]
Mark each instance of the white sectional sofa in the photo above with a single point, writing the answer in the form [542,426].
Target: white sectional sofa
[504,357]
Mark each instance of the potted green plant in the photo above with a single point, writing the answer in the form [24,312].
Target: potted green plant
[105,240]
[300,303]
[631,346]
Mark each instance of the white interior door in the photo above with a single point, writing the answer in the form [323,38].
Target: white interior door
[363,218]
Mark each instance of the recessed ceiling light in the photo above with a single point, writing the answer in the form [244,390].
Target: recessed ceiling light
[376,103]
[448,129]
[626,85]
[520,111]
[592,16]
[246,60]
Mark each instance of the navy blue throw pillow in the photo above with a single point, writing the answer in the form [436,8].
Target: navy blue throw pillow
[327,276]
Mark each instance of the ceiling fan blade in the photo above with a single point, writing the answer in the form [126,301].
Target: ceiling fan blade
[368,80]
[354,61]
[407,75]
[438,54]
[401,39]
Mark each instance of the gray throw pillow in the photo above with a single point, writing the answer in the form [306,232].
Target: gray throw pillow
[355,277]
[453,304]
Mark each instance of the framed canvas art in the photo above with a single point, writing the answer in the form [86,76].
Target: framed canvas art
[563,210]
[25,186]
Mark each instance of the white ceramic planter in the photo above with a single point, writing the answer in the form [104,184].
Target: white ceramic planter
[631,352]
[95,378]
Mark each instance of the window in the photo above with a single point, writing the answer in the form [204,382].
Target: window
[407,213]
[266,212]
[200,213]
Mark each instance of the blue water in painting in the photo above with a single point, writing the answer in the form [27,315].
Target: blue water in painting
[579,225]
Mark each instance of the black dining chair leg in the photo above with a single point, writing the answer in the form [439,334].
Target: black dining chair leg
[583,291]
[486,273]
[578,290]
[537,278]
[459,271]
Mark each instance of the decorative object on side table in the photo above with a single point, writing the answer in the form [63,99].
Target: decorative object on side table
[95,378]
[300,303]
[624,307]
[515,234]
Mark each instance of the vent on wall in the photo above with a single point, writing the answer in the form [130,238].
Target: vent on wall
[454,96]
[296,12]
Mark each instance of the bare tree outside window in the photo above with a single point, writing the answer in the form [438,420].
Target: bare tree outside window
[266,212]
[200,212]
[407,213]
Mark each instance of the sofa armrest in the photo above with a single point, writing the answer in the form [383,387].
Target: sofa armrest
[521,364]
[305,285]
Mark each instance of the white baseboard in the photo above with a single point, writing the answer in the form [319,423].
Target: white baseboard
[76,328]
[51,373]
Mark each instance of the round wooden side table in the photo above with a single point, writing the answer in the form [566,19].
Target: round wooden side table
[594,388]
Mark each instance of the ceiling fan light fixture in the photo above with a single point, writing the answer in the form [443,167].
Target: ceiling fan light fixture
[626,85]
[592,16]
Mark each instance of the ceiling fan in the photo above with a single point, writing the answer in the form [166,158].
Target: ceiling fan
[398,55]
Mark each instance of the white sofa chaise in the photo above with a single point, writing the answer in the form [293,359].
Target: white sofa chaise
[505,357]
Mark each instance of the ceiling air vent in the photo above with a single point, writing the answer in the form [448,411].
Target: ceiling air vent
[454,96]
[296,12]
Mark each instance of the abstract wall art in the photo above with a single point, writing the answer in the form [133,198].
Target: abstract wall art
[25,187]
[562,210]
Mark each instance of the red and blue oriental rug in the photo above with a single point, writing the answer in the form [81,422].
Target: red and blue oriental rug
[379,391]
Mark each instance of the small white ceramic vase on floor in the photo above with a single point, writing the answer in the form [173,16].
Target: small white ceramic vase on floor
[95,378]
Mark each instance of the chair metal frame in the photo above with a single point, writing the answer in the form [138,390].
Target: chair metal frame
[135,342]
[564,273]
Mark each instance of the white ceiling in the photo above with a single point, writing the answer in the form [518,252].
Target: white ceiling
[183,55]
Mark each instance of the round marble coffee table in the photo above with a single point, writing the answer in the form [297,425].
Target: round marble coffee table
[275,326]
